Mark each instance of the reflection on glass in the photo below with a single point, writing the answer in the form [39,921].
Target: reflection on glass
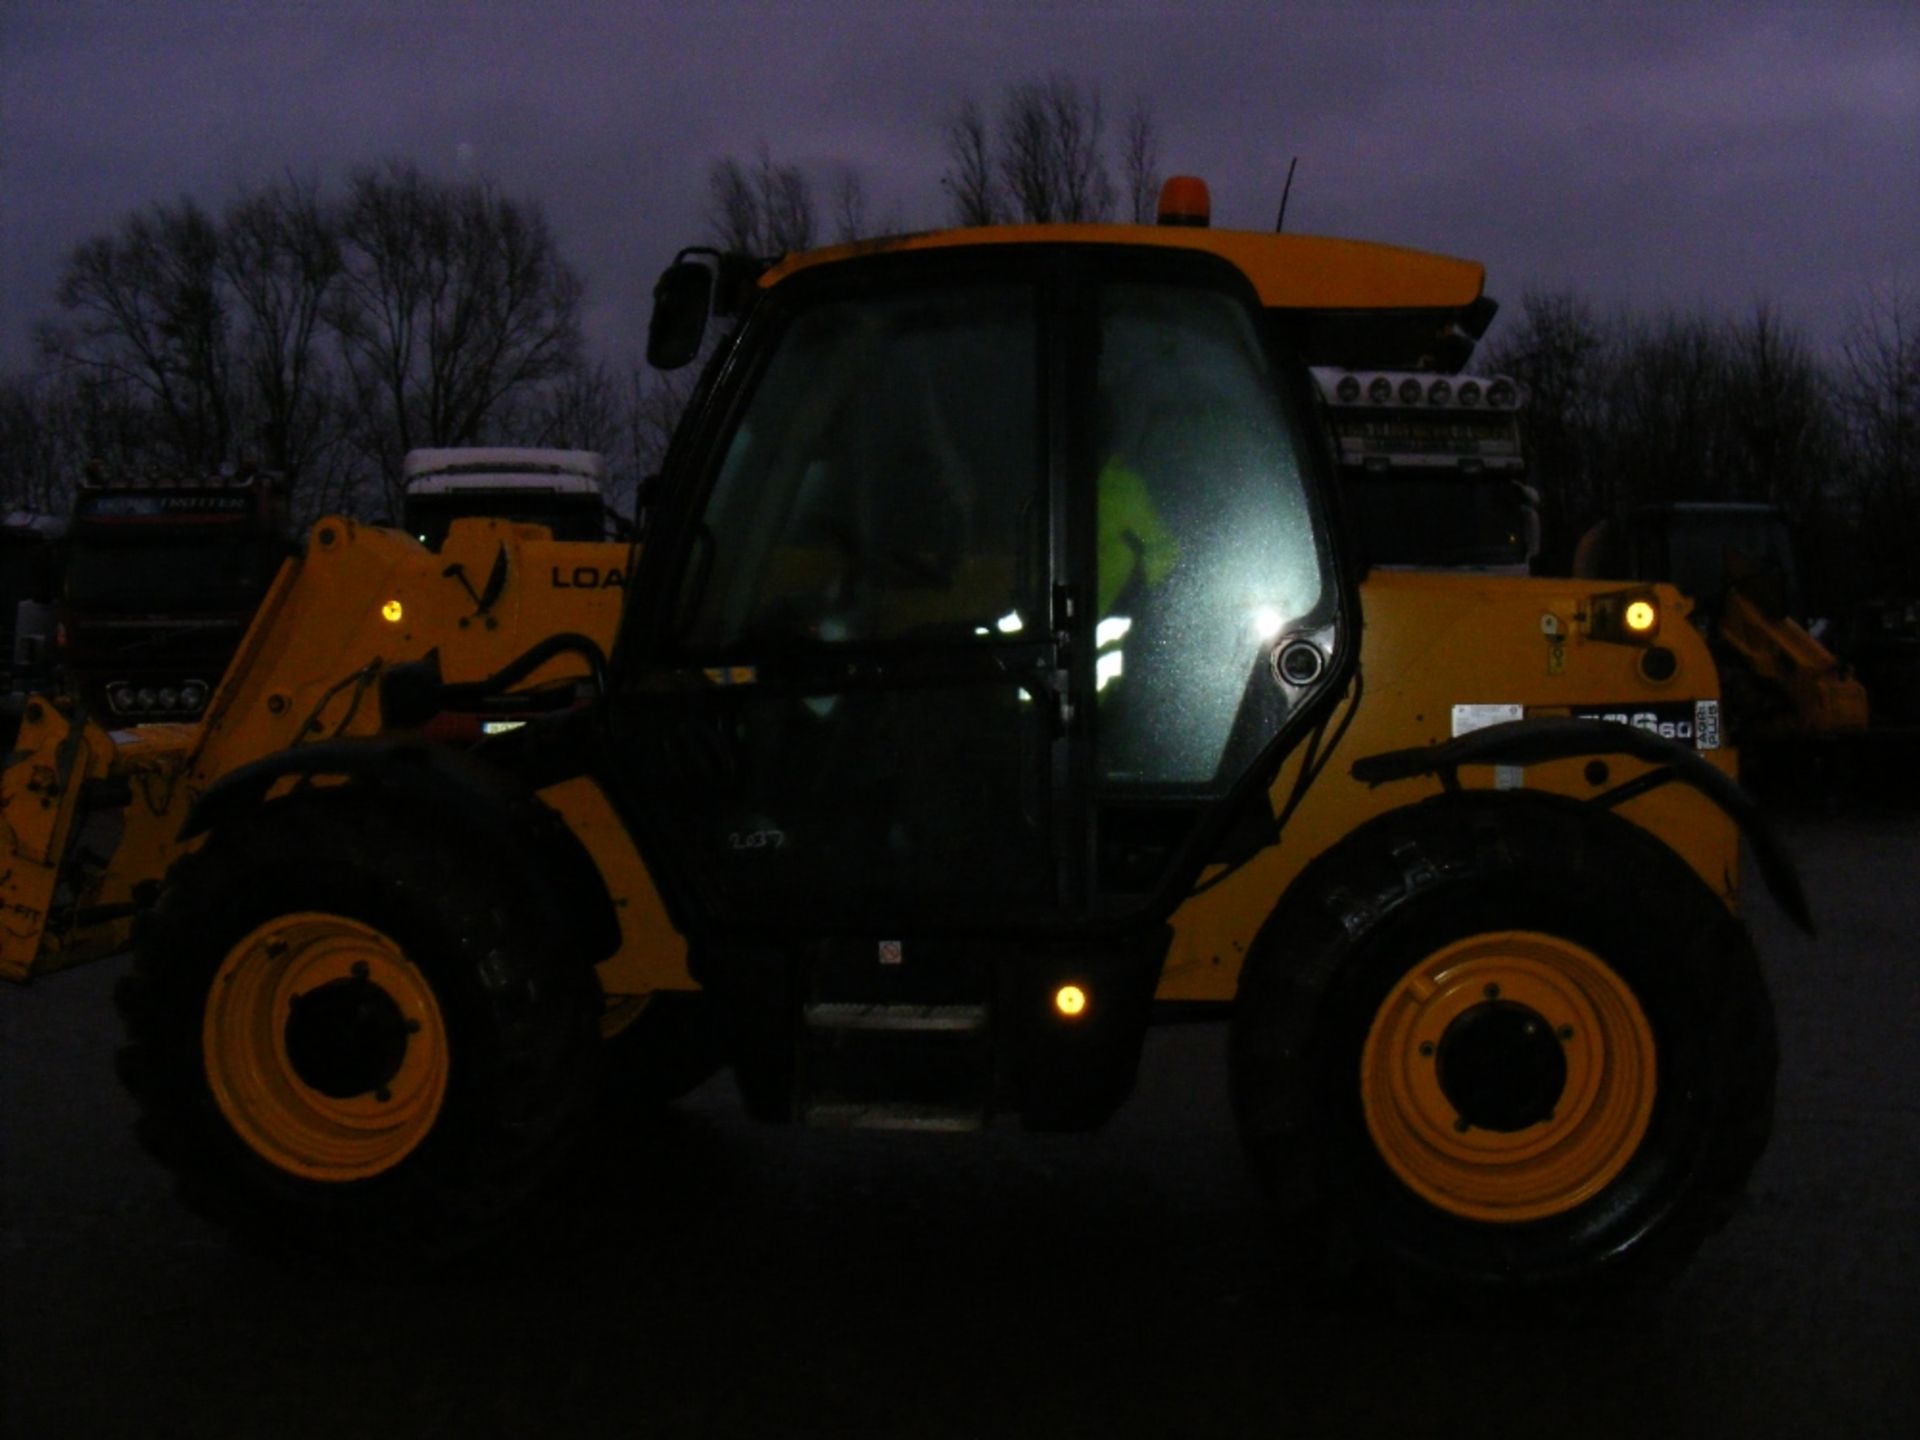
[1205,545]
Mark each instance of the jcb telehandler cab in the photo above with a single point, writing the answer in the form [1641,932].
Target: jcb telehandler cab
[992,680]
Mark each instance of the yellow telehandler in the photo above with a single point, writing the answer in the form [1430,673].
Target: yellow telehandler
[994,682]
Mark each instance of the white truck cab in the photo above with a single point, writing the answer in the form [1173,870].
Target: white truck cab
[564,490]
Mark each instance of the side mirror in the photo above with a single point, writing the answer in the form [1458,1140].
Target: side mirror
[682,298]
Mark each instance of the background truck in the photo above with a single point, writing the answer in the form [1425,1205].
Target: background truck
[162,577]
[854,777]
[32,549]
[562,490]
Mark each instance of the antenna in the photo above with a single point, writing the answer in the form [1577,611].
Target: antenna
[1281,223]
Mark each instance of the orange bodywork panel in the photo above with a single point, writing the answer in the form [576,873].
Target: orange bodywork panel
[1441,653]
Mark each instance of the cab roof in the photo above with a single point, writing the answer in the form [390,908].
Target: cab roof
[1288,272]
[1352,303]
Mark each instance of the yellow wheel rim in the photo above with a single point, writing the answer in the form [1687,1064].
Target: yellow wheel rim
[1508,1077]
[325,1047]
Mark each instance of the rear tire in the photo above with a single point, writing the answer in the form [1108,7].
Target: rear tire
[352,1036]
[1503,1051]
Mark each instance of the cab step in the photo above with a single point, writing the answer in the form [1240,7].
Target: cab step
[913,1019]
[880,1115]
[894,1063]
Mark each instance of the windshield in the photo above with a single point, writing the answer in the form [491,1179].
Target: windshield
[569,516]
[167,571]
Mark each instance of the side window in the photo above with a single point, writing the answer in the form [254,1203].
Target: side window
[1205,548]
[885,480]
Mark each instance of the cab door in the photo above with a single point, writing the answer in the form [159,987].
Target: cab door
[855,715]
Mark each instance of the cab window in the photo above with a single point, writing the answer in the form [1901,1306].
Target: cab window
[1205,545]
[885,480]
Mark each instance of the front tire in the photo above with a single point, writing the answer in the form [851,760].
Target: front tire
[1506,1051]
[354,1036]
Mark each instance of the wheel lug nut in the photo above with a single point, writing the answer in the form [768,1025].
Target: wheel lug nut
[360,970]
[1462,1124]
[1566,1032]
[1426,1047]
[1492,992]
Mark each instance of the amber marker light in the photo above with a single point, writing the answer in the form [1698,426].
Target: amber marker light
[391,612]
[1641,616]
[1070,1001]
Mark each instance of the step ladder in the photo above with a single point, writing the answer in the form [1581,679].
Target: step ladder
[895,1065]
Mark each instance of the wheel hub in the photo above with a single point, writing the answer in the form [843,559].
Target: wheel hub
[347,1038]
[1508,1076]
[1501,1066]
[325,1047]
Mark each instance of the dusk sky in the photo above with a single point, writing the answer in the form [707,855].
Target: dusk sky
[1644,154]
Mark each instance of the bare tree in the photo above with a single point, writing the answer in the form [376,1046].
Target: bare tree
[763,209]
[1879,396]
[53,424]
[211,329]
[849,208]
[1664,438]
[734,209]
[1043,158]
[147,308]
[1782,430]
[970,180]
[1050,156]
[581,411]
[1140,161]
[452,306]
[280,259]
[1675,407]
[1558,351]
